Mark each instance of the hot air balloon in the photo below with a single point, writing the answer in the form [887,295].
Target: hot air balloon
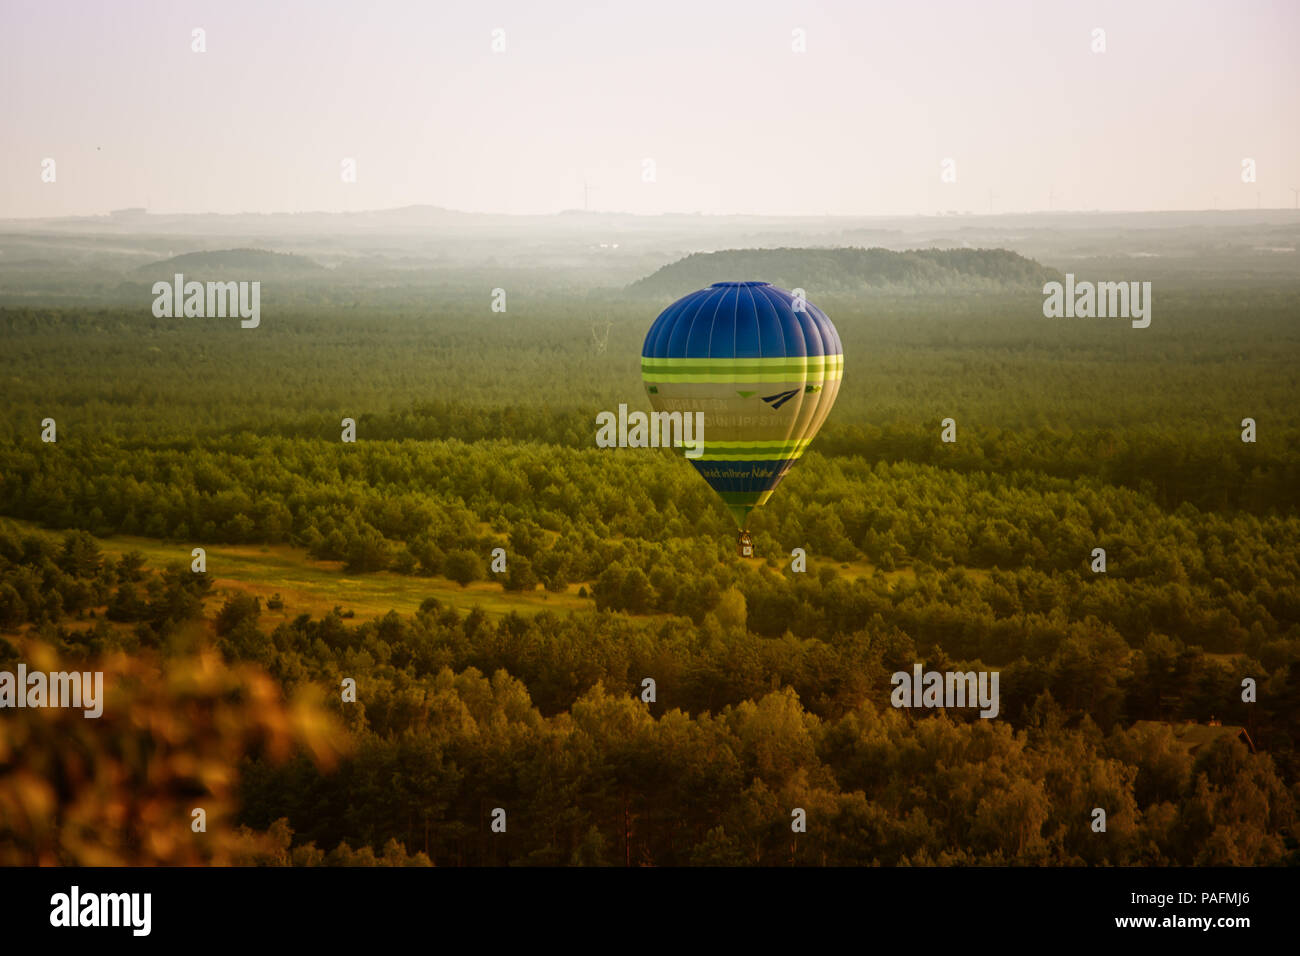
[762,365]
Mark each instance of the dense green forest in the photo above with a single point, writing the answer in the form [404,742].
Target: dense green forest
[475,430]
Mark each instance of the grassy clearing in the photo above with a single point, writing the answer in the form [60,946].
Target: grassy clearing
[308,586]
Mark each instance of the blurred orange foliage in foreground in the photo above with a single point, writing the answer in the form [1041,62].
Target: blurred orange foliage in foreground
[119,790]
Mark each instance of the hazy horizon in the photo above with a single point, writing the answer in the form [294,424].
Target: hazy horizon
[937,214]
[734,120]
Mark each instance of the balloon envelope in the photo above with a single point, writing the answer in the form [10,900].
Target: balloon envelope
[763,366]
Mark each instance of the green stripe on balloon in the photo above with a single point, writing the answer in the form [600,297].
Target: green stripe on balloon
[659,376]
[801,361]
[779,455]
[757,445]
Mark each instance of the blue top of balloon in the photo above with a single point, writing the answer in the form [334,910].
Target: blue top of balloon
[741,320]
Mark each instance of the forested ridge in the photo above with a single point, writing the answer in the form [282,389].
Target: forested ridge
[772,686]
[860,271]
[225,264]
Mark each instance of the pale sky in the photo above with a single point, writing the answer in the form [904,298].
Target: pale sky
[734,121]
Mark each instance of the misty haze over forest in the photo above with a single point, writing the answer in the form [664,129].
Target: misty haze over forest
[67,259]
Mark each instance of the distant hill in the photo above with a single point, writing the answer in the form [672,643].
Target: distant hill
[247,263]
[841,271]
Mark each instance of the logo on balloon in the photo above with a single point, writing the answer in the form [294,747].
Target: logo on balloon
[780,398]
